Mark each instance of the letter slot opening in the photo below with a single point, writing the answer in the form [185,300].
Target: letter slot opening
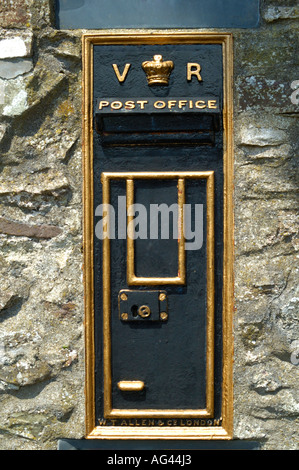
[190,121]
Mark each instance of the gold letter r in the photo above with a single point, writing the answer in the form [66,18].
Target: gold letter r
[193,69]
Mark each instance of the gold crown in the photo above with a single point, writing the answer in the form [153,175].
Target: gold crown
[157,71]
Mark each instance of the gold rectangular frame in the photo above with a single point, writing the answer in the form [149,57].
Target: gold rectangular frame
[132,279]
[181,176]
[94,431]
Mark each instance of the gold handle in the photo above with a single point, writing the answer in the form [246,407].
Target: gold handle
[131,385]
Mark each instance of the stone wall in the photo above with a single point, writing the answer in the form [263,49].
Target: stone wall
[266,229]
[41,297]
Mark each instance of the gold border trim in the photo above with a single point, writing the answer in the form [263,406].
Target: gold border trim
[155,432]
[158,37]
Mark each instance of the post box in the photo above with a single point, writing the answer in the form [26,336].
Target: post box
[158,234]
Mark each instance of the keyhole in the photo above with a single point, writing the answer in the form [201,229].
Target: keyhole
[134,310]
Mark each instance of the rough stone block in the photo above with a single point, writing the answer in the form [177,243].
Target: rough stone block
[15,44]
[50,181]
[14,98]
[262,136]
[18,229]
[42,13]
[13,68]
[260,93]
[14,13]
[280,13]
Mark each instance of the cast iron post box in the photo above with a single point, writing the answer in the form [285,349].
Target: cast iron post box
[158,231]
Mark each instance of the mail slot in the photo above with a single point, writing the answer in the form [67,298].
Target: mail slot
[158,235]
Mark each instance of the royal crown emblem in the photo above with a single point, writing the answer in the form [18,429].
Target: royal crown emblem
[157,71]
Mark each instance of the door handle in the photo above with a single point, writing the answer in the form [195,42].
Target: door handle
[131,385]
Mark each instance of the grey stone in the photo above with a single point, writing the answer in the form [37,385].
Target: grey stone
[259,92]
[280,13]
[266,381]
[14,68]
[262,137]
[7,299]
[15,97]
[13,291]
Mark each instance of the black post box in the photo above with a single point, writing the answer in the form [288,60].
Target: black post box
[158,235]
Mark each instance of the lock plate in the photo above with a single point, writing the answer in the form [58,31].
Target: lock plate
[143,306]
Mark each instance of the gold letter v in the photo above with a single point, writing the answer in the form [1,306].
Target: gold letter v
[121,77]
